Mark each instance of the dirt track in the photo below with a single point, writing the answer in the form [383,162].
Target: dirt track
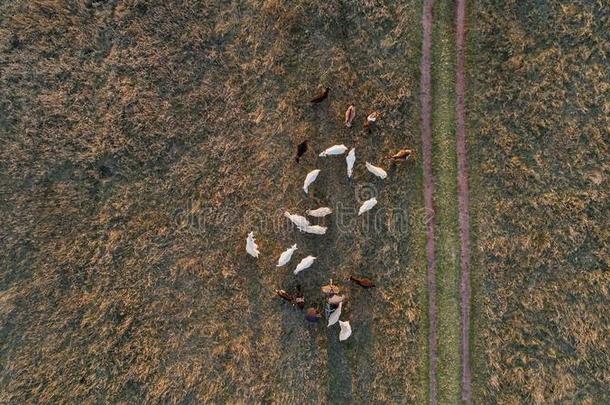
[462,182]
[462,189]
[426,131]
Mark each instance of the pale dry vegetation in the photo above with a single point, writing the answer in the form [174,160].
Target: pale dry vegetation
[140,141]
[541,134]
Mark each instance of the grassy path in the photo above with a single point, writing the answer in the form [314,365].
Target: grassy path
[426,131]
[445,198]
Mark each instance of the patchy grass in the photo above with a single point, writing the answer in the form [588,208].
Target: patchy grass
[445,172]
[542,124]
[140,141]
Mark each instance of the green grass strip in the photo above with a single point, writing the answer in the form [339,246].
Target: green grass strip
[445,171]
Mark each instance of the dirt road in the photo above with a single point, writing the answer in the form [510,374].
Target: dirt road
[426,131]
[441,190]
[463,209]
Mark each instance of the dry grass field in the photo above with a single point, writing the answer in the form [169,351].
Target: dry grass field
[541,131]
[141,141]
